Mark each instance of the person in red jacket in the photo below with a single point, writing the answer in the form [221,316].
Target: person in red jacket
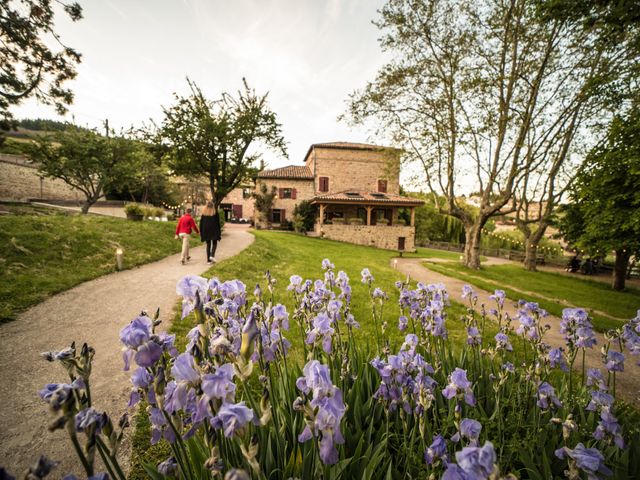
[184,228]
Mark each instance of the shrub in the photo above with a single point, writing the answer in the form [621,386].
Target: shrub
[133,209]
[338,221]
[400,221]
[158,212]
[382,221]
[354,221]
[235,399]
[306,213]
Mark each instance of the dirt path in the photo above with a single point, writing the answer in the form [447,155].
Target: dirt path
[92,312]
[628,382]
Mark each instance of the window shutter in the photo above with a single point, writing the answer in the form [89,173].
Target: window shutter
[282,216]
[324,184]
[280,192]
[382,186]
[293,193]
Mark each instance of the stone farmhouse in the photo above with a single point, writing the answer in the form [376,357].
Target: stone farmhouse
[356,188]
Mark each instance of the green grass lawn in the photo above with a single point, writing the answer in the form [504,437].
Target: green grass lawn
[43,252]
[583,293]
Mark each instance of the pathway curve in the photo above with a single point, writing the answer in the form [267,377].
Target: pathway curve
[93,312]
[627,382]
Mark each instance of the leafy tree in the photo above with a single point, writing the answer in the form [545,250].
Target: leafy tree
[605,211]
[30,66]
[86,160]
[213,138]
[304,216]
[264,199]
[480,90]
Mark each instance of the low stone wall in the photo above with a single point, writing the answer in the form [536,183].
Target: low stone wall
[380,236]
[19,180]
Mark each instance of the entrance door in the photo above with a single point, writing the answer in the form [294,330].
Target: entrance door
[237,211]
[401,243]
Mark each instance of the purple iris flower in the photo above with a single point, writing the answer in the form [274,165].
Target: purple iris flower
[316,379]
[295,281]
[327,265]
[403,323]
[498,296]
[137,332]
[477,462]
[599,399]
[140,342]
[615,361]
[89,417]
[351,321]
[378,293]
[219,385]
[467,292]
[366,276]
[437,450]
[459,385]
[454,472]
[184,370]
[473,336]
[188,288]
[168,467]
[59,394]
[589,460]
[609,429]
[232,417]
[508,367]
[502,342]
[595,378]
[323,330]
[556,359]
[577,328]
[469,429]
[280,315]
[547,397]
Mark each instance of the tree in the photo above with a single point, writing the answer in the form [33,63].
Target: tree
[473,88]
[86,160]
[30,67]
[605,211]
[264,202]
[213,138]
[304,216]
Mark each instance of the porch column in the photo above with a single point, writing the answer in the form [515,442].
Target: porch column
[369,215]
[413,216]
[322,207]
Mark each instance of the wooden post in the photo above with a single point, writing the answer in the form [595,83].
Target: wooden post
[369,215]
[322,207]
[413,216]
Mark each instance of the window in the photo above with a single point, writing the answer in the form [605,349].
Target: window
[382,186]
[246,193]
[287,193]
[276,216]
[323,184]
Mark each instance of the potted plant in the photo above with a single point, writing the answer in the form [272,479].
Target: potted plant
[134,212]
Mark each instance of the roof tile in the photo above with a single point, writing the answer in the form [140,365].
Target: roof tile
[296,172]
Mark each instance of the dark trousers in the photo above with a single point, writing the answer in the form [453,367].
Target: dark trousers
[211,248]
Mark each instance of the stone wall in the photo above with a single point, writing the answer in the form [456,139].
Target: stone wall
[304,191]
[355,169]
[380,236]
[20,181]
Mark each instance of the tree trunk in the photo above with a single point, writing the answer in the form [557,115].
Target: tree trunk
[85,206]
[531,252]
[620,269]
[531,243]
[471,257]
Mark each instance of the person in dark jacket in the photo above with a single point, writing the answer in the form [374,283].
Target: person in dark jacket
[210,230]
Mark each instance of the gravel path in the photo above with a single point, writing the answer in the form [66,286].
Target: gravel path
[93,312]
[627,382]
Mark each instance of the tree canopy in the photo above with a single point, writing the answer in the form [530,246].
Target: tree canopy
[605,211]
[87,161]
[214,139]
[30,65]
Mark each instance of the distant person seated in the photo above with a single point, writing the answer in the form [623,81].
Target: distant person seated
[587,267]
[574,264]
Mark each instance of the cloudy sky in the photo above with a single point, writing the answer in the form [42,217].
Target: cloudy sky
[308,54]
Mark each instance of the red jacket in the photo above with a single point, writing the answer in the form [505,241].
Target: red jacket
[186,224]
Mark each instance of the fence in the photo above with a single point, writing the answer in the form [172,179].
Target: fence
[515,255]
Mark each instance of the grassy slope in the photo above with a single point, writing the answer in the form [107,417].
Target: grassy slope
[578,292]
[43,252]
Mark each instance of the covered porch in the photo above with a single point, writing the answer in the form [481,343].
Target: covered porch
[381,220]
